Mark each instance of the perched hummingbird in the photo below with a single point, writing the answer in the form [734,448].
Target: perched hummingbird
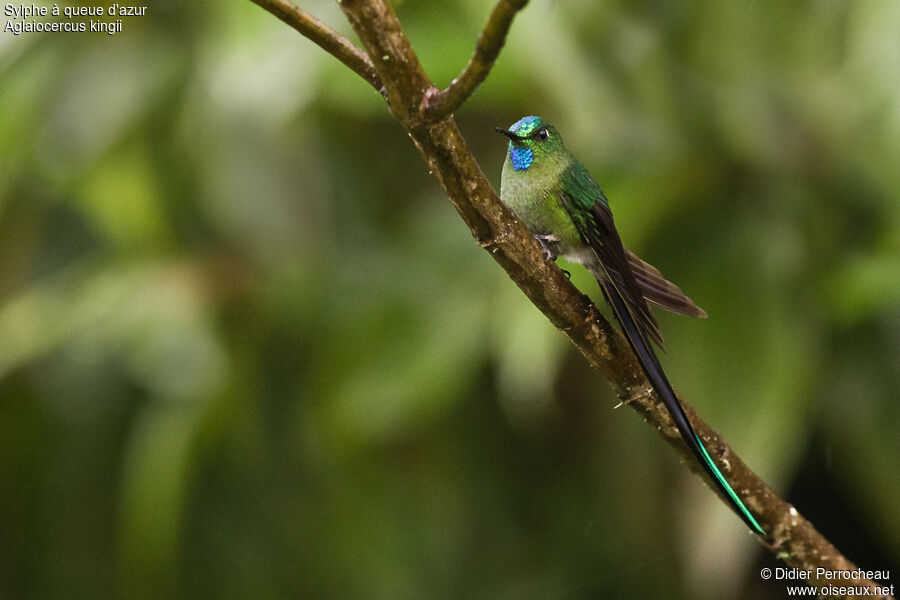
[568,214]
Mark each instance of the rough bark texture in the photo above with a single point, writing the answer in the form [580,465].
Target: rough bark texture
[423,111]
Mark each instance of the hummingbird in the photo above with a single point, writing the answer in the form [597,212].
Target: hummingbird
[569,215]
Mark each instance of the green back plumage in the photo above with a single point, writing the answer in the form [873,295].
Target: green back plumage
[582,191]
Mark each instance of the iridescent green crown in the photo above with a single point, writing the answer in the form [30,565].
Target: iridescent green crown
[526,126]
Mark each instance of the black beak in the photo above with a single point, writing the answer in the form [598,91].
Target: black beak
[508,134]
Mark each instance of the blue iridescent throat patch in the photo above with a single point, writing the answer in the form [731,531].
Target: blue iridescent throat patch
[521,157]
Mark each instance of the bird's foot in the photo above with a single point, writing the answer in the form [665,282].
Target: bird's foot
[545,240]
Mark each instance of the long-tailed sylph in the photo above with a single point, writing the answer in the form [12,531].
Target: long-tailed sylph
[568,214]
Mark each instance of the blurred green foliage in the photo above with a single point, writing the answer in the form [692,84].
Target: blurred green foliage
[248,350]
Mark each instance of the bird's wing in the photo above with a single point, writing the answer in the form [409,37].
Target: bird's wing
[660,291]
[586,206]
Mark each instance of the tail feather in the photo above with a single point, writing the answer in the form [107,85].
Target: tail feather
[659,290]
[655,374]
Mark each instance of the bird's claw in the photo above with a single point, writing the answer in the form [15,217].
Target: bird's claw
[548,253]
[549,256]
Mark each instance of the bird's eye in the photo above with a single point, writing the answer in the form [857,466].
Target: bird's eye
[543,134]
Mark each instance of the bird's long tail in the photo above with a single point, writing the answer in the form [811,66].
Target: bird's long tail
[657,377]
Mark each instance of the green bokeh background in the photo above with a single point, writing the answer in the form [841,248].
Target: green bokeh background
[248,350]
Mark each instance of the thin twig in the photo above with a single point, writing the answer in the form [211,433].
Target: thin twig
[438,105]
[330,40]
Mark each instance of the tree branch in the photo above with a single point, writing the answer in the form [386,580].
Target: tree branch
[790,537]
[438,105]
[327,38]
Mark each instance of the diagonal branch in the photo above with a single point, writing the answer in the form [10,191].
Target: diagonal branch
[327,38]
[790,538]
[438,105]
